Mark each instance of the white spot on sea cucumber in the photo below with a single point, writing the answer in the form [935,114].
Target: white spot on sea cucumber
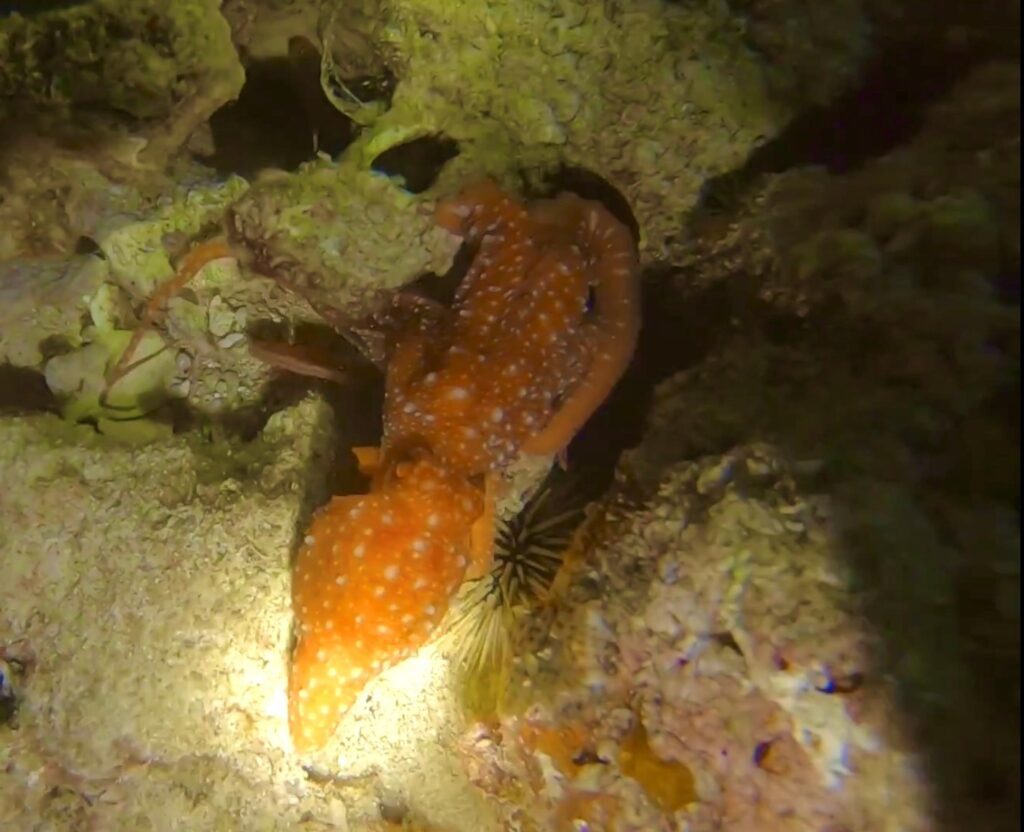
[359,551]
[391,573]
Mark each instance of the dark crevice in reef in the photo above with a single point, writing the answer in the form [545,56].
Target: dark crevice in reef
[417,163]
[87,246]
[675,335]
[280,120]
[883,112]
[589,185]
[356,404]
[322,345]
[25,391]
[442,287]
[356,417]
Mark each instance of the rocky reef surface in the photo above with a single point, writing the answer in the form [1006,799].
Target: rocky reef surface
[796,604]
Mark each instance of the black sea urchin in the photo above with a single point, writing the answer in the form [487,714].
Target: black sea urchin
[499,610]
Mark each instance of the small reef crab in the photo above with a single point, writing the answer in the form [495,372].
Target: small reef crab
[541,328]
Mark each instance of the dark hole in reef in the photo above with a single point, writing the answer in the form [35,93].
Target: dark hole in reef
[87,245]
[323,344]
[728,641]
[58,344]
[356,403]
[442,287]
[588,756]
[676,333]
[24,391]
[280,120]
[589,185]
[418,162]
[884,111]
[320,344]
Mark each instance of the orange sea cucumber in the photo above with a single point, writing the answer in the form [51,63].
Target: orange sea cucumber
[522,362]
[372,580]
[518,363]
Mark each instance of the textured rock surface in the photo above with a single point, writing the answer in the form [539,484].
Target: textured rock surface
[152,69]
[144,626]
[343,239]
[653,97]
[145,598]
[721,618]
[803,604]
[872,324]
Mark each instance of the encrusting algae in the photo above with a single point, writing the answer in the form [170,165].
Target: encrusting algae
[517,364]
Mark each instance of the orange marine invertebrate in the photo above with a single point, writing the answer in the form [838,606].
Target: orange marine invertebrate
[517,364]
[522,362]
[372,581]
